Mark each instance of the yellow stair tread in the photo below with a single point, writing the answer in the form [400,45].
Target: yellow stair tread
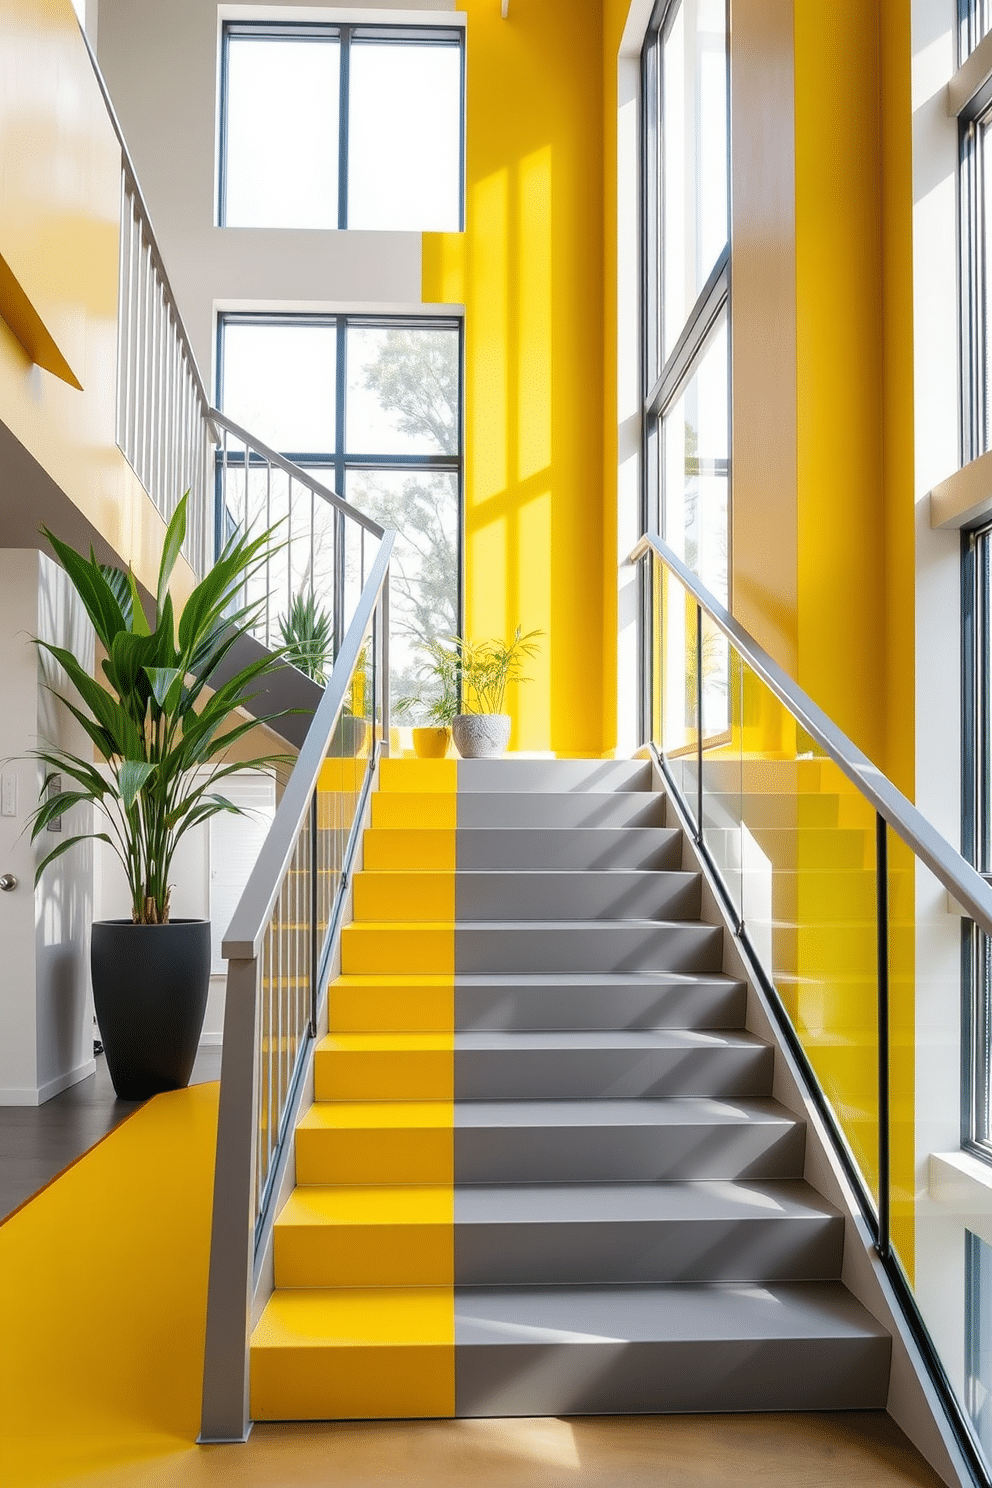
[380,1115]
[343,1316]
[389,982]
[386,1043]
[379,1204]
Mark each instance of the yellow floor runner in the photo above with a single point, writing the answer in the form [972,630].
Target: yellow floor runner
[102,1303]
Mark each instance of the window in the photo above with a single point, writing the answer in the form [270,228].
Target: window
[686,411]
[341,127]
[978,1337]
[977,833]
[372,407]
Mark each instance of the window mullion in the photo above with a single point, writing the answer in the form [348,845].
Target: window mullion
[344,106]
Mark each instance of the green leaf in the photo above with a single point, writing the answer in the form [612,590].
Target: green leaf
[64,847]
[174,539]
[131,777]
[93,589]
[139,620]
[163,682]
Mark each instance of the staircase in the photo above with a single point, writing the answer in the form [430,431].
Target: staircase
[544,1173]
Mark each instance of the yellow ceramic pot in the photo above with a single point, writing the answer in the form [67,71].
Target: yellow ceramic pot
[431,743]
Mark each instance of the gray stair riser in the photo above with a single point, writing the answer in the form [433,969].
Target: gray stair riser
[572,848]
[616,1377]
[553,775]
[527,1008]
[577,896]
[686,1152]
[583,947]
[677,1250]
[560,809]
[582,1074]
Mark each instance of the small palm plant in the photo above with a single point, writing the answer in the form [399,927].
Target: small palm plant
[488,668]
[438,699]
[308,637]
[158,727]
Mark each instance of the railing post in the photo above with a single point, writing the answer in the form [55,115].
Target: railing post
[339,577]
[314,902]
[384,659]
[884,1115]
[225,1416]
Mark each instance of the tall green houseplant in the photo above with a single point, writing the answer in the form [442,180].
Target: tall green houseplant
[157,725]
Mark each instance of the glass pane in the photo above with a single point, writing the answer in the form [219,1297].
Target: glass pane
[404,136]
[978,1338]
[677,664]
[984,228]
[694,445]
[694,144]
[279,383]
[281,132]
[402,391]
[423,506]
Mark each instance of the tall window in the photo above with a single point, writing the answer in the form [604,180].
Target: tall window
[341,127]
[373,408]
[977,834]
[686,274]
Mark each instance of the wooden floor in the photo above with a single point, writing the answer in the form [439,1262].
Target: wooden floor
[848,1450]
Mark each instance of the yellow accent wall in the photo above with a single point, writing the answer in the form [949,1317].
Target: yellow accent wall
[60,195]
[529,271]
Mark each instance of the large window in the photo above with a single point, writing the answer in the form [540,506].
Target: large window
[373,408]
[977,833]
[686,285]
[341,127]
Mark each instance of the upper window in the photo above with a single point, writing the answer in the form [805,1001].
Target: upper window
[342,127]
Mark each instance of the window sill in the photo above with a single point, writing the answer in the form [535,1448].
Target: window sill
[965,498]
[962,1184]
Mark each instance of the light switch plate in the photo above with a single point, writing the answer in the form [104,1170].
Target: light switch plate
[8,794]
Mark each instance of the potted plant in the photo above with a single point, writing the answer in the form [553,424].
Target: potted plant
[469,680]
[308,637]
[163,737]
[437,701]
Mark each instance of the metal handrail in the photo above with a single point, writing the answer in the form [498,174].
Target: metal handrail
[296,472]
[244,934]
[961,880]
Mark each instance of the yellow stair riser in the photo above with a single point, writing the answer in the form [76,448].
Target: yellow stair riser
[401,1074]
[375,1155]
[352,1381]
[418,776]
[364,1255]
[392,949]
[372,1006]
[399,810]
[399,896]
[427,851]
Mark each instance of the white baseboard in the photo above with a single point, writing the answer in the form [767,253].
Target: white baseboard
[39,1095]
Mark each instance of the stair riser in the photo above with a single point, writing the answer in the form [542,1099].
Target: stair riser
[622,1378]
[570,849]
[553,775]
[634,809]
[407,896]
[569,1074]
[553,1254]
[374,1156]
[587,947]
[513,1009]
[589,1154]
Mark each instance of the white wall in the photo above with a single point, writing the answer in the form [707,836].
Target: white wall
[45,1010]
[161,60]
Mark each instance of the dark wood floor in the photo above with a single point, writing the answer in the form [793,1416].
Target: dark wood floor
[39,1142]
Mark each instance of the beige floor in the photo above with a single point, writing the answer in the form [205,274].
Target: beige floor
[850,1450]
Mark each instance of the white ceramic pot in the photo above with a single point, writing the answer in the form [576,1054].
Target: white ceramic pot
[481,735]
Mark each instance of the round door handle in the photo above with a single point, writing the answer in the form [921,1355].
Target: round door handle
[7,882]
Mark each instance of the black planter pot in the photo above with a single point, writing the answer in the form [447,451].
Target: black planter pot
[150,986]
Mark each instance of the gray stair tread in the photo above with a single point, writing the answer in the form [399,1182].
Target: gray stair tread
[673,1312]
[589,1040]
[623,1203]
[517,981]
[573,927]
[671,1111]
[614,776]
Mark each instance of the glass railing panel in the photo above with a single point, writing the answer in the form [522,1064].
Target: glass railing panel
[809,907]
[677,644]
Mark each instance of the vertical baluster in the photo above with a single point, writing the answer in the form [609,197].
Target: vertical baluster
[268,564]
[884,1144]
[289,546]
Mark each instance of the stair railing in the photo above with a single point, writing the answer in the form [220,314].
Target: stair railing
[278,948]
[826,871]
[325,545]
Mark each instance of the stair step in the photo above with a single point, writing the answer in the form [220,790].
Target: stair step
[340,1353]
[513,946]
[534,848]
[589,775]
[625,1349]
[577,1000]
[590,1141]
[536,1065]
[519,895]
[418,1235]
[501,809]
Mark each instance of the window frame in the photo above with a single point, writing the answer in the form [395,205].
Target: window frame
[344,33]
[661,384]
[340,461]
